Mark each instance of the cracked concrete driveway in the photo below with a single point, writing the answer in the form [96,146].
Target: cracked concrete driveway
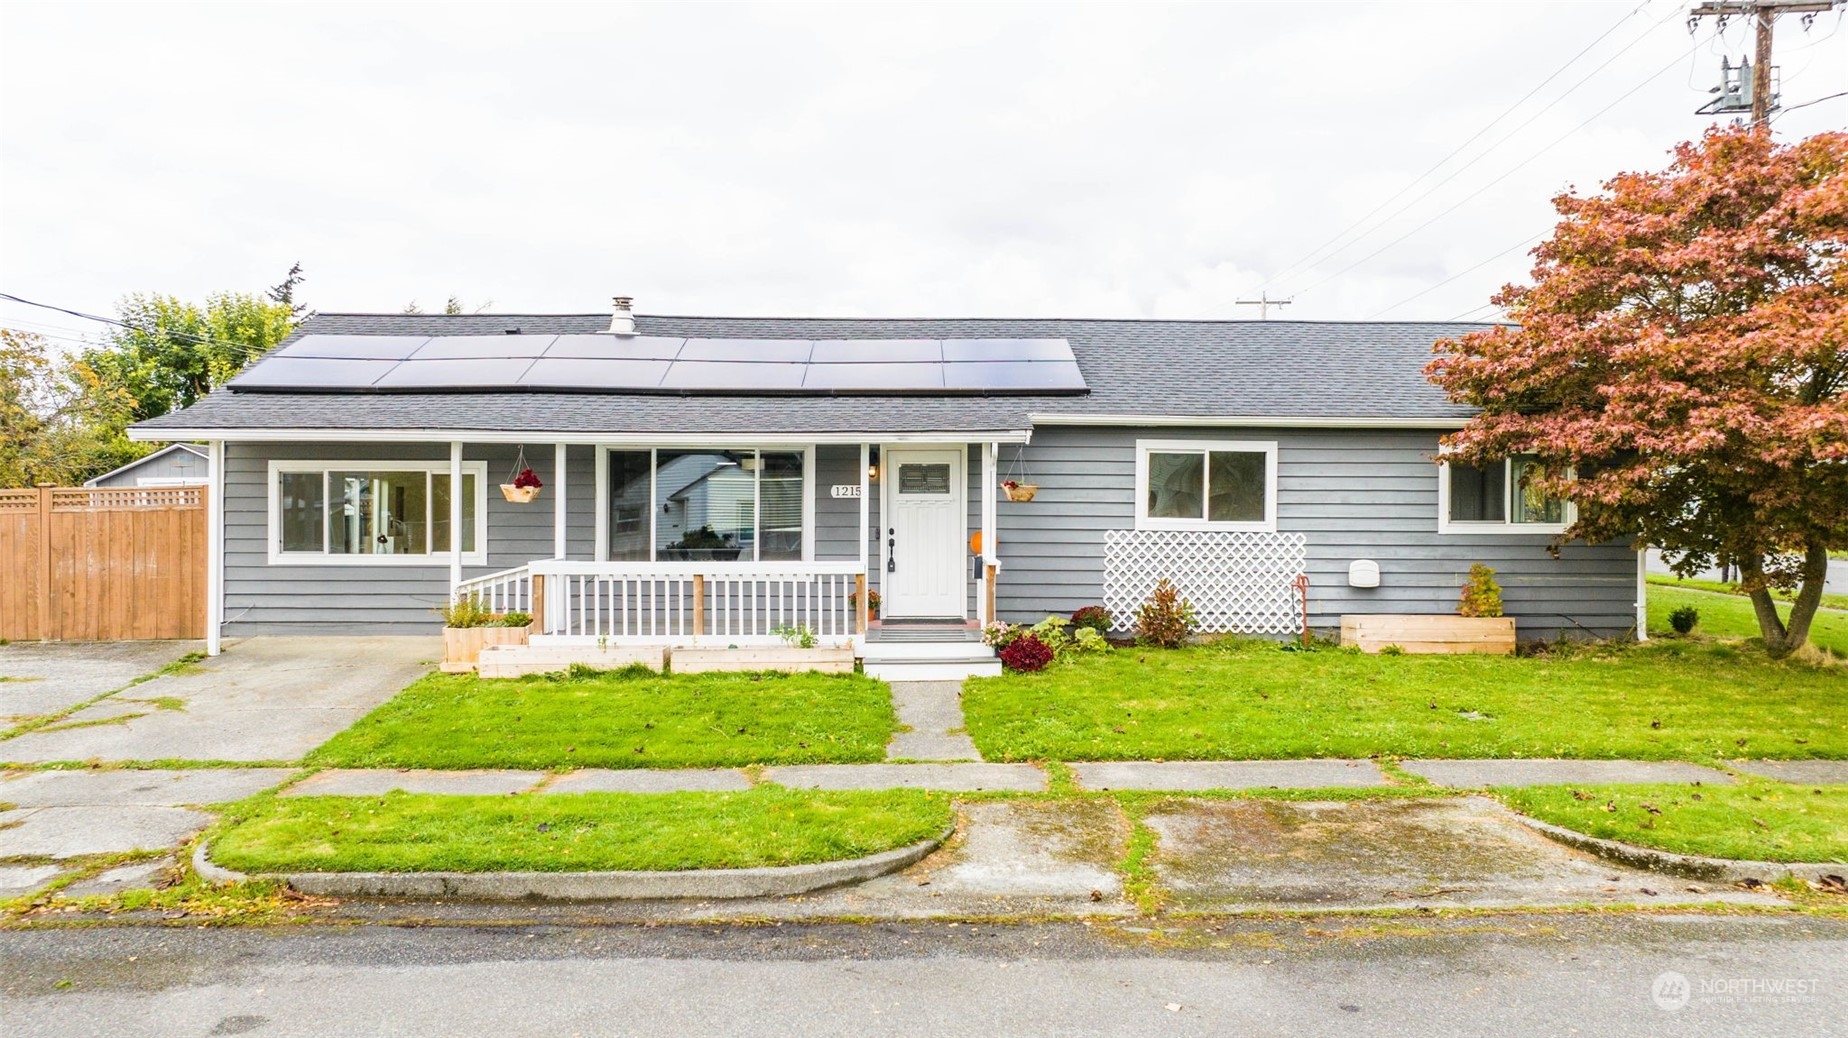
[264,699]
[39,678]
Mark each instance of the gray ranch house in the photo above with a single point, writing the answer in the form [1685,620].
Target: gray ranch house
[710,479]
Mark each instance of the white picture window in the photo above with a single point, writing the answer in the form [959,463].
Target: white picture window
[1497,498]
[368,512]
[1206,485]
[705,504]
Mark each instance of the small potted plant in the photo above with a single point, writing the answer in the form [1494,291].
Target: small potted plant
[524,488]
[1018,491]
[872,602]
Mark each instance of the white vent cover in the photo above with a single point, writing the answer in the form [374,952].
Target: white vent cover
[1363,573]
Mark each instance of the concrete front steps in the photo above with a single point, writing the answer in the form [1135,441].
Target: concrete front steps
[929,660]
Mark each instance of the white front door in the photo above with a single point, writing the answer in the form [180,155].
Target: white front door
[923,492]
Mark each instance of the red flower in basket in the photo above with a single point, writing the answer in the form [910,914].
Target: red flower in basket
[526,479]
[1010,484]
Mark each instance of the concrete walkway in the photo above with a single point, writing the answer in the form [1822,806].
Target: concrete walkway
[48,677]
[1474,774]
[932,710]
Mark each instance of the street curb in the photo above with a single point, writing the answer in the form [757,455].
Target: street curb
[701,884]
[1690,866]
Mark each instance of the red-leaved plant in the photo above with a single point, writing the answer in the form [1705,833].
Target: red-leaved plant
[527,478]
[1026,653]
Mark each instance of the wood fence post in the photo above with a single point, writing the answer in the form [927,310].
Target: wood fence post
[44,563]
[699,604]
[860,604]
[988,591]
[539,603]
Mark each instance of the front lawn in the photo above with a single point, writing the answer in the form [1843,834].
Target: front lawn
[1677,699]
[573,832]
[1757,820]
[1657,580]
[1725,615]
[625,719]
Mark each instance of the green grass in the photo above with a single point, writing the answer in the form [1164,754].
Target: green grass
[1757,820]
[1725,615]
[628,719]
[568,832]
[1676,699]
[1656,580]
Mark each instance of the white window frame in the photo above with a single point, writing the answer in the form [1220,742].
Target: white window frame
[1144,448]
[324,557]
[807,450]
[1484,527]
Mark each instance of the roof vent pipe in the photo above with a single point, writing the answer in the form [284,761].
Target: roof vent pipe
[622,320]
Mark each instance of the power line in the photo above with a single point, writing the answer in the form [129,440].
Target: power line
[200,340]
[1510,135]
[1458,274]
[1317,252]
[1472,196]
[1806,104]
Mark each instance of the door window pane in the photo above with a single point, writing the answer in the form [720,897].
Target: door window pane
[629,477]
[302,510]
[924,479]
[1235,486]
[1530,505]
[705,505]
[782,498]
[379,513]
[1477,495]
[1176,486]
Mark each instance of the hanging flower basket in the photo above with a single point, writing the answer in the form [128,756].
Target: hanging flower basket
[1019,491]
[525,486]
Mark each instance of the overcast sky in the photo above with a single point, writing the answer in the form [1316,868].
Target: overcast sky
[1132,160]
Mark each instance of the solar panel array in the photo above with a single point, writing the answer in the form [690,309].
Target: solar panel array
[649,364]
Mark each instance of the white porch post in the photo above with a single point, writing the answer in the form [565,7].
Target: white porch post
[558,501]
[455,517]
[990,477]
[214,546]
[861,608]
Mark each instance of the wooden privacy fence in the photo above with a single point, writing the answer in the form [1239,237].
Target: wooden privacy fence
[79,564]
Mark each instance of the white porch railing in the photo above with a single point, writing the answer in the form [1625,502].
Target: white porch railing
[677,602]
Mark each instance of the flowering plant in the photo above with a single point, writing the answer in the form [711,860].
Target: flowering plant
[999,634]
[527,478]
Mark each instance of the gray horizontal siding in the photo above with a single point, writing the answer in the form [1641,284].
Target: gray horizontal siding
[1353,494]
[177,464]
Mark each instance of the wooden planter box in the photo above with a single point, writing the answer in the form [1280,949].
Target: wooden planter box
[1429,633]
[771,657]
[462,645]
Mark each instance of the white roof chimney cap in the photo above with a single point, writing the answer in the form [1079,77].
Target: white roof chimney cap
[622,317]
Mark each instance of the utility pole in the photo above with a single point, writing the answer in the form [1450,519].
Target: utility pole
[1263,303]
[1765,12]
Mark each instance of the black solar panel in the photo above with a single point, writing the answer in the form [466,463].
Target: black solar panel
[646,364]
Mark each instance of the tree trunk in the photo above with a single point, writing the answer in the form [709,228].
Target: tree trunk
[1783,637]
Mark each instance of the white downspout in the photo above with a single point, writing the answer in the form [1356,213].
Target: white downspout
[1642,594]
[215,547]
[866,463]
[991,476]
[455,517]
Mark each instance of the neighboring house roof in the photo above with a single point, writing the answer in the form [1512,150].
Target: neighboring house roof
[146,459]
[1284,370]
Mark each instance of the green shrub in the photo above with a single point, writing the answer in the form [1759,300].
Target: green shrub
[514,620]
[1684,619]
[466,612]
[1165,618]
[1052,634]
[1482,596]
[1088,639]
[1093,617]
[1391,650]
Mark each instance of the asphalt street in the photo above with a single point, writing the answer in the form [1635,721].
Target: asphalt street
[1483,977]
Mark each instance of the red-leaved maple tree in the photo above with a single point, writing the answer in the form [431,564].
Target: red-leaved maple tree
[1680,365]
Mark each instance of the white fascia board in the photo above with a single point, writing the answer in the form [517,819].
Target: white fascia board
[1270,421]
[668,439]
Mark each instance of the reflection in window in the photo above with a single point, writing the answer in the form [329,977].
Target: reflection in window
[302,510]
[1210,485]
[1477,494]
[1531,505]
[1176,485]
[707,505]
[439,511]
[373,512]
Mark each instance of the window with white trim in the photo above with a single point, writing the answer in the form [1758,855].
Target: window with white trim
[373,512]
[1498,498]
[706,504]
[1206,485]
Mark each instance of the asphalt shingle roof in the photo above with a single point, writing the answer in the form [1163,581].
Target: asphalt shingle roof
[1244,369]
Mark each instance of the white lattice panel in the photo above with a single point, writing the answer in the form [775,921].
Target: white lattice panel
[1236,581]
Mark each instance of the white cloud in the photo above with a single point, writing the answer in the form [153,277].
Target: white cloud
[1092,160]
